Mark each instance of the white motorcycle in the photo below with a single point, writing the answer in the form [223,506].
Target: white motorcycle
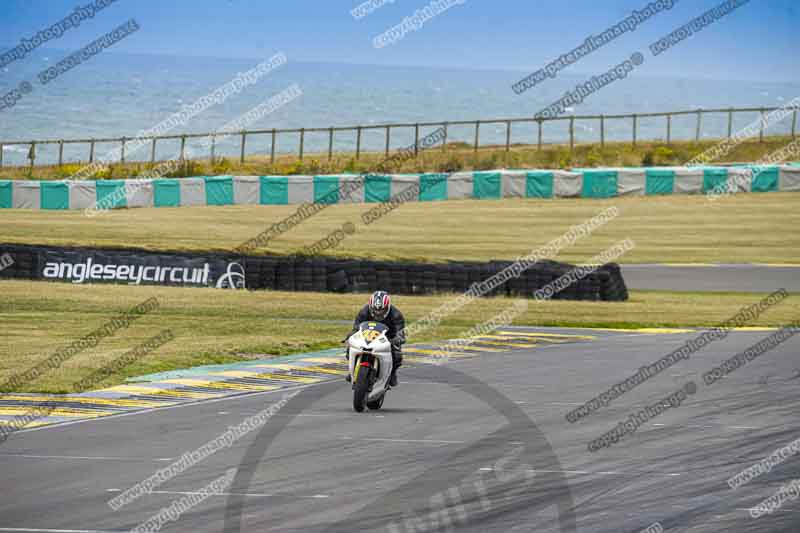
[369,355]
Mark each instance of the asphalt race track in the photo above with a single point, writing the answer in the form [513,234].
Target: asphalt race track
[477,444]
[710,277]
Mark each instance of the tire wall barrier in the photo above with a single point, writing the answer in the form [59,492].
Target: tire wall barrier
[301,273]
[495,184]
[128,266]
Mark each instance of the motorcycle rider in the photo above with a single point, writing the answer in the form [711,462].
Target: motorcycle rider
[380,309]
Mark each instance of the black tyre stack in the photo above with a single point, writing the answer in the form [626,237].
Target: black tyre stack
[415,278]
[399,278]
[429,279]
[261,272]
[285,275]
[444,278]
[612,285]
[460,277]
[383,275]
[319,274]
[18,262]
[302,273]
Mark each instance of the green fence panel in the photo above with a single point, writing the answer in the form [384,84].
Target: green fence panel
[219,190]
[5,194]
[539,185]
[110,194]
[377,188]
[486,185]
[274,190]
[326,189]
[54,195]
[432,187]
[765,179]
[599,183]
[715,179]
[659,181]
[166,193]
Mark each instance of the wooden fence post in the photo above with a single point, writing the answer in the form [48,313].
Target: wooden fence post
[444,139]
[699,125]
[794,122]
[302,141]
[730,123]
[330,143]
[122,152]
[635,124]
[669,128]
[388,135]
[477,139]
[508,143]
[602,131]
[244,143]
[358,142]
[761,128]
[272,150]
[153,151]
[540,134]
[213,148]
[60,153]
[572,133]
[416,139]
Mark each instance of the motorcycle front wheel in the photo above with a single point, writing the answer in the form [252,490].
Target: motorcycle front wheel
[361,389]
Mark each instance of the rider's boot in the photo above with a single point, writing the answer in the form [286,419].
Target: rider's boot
[397,360]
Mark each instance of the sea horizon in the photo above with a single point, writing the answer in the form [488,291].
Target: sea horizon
[117,94]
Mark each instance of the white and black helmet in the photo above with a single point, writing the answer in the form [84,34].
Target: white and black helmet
[379,305]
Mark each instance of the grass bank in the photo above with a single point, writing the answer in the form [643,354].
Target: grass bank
[457,156]
[742,228]
[212,326]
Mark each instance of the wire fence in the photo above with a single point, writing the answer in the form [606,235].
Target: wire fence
[530,131]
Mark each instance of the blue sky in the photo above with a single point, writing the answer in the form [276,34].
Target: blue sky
[758,41]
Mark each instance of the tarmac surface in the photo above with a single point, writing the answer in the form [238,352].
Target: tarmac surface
[479,443]
[712,277]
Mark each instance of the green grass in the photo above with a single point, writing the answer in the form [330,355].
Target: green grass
[757,227]
[213,326]
[458,156]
